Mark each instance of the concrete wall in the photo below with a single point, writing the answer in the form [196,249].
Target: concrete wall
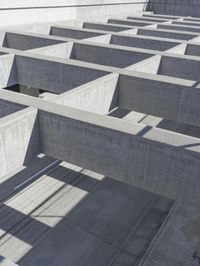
[163,99]
[15,12]
[192,49]
[176,7]
[53,76]
[20,129]
[180,68]
[136,154]
[141,42]
[25,42]
[166,34]
[106,56]
[71,33]
[179,28]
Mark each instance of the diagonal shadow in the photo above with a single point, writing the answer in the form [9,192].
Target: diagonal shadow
[7,187]
[12,220]
[72,178]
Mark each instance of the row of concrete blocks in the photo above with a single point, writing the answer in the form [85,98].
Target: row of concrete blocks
[92,79]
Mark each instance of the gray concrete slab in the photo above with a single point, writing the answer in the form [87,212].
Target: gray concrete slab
[61,247]
[178,242]
[192,23]
[52,76]
[192,49]
[180,67]
[174,101]
[7,108]
[163,16]
[26,42]
[130,22]
[95,151]
[153,19]
[105,27]
[141,43]
[175,7]
[166,34]
[179,28]
[106,56]
[97,214]
[72,33]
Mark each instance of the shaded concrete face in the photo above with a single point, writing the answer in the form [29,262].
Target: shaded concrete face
[7,108]
[26,42]
[175,7]
[72,33]
[175,102]
[166,34]
[152,20]
[38,73]
[160,16]
[129,22]
[106,56]
[192,50]
[104,27]
[180,68]
[143,142]
[179,28]
[191,23]
[141,43]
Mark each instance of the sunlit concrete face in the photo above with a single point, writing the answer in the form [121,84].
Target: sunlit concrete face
[119,98]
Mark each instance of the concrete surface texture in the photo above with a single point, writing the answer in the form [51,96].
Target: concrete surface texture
[175,7]
[100,134]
